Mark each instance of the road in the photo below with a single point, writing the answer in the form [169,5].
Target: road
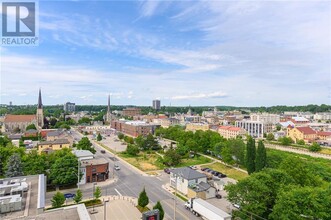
[131,182]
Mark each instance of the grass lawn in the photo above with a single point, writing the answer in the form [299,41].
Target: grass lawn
[194,161]
[141,209]
[230,172]
[325,150]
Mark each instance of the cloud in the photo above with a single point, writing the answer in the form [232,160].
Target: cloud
[200,96]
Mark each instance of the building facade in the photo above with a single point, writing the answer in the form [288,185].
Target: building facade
[18,122]
[231,131]
[156,104]
[50,146]
[301,133]
[197,126]
[131,112]
[255,128]
[69,107]
[265,118]
[94,170]
[134,128]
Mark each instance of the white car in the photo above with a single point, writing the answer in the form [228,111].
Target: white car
[117,167]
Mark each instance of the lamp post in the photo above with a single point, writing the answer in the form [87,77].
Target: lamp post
[175,196]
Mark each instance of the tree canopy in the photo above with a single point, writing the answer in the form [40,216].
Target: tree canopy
[85,144]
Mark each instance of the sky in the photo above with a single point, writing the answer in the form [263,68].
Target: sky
[198,53]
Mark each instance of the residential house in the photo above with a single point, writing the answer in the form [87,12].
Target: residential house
[50,146]
[301,133]
[231,131]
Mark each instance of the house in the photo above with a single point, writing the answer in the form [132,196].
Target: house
[324,135]
[201,190]
[50,146]
[197,126]
[231,131]
[181,178]
[299,120]
[301,133]
[31,133]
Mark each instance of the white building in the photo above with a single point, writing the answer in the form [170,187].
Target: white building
[265,118]
[255,128]
[322,116]
[181,178]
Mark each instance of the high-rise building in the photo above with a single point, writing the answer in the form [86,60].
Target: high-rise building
[156,104]
[69,107]
[108,114]
[40,114]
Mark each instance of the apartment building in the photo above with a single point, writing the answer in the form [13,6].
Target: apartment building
[134,128]
[231,131]
[131,112]
[301,133]
[265,118]
[255,128]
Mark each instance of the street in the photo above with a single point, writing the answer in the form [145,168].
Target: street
[130,183]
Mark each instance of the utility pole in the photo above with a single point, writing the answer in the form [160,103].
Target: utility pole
[175,197]
[78,173]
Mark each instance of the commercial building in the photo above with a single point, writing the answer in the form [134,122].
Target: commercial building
[182,178]
[156,104]
[50,146]
[322,116]
[134,128]
[265,118]
[255,128]
[231,131]
[131,112]
[94,170]
[301,133]
[197,126]
[69,107]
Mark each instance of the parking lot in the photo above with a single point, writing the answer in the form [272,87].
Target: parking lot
[113,143]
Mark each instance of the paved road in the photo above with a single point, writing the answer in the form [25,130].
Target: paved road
[131,182]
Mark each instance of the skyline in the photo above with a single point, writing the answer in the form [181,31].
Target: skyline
[204,53]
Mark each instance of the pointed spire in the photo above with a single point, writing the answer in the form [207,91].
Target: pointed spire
[40,104]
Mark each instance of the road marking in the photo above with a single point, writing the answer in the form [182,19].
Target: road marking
[118,192]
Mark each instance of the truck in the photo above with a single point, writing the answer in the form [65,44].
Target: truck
[200,207]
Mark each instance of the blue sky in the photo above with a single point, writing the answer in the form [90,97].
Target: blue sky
[251,53]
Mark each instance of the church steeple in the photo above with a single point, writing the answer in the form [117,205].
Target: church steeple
[40,103]
[108,114]
[40,113]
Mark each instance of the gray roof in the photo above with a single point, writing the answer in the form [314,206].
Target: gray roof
[57,141]
[82,153]
[54,133]
[202,186]
[188,173]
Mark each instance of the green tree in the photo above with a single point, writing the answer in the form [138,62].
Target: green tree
[315,147]
[237,147]
[160,208]
[151,142]
[120,135]
[301,142]
[84,120]
[278,127]
[58,200]
[97,193]
[303,203]
[14,166]
[192,145]
[78,197]
[143,199]
[261,157]
[99,137]
[250,155]
[34,163]
[85,144]
[171,158]
[132,150]
[64,170]
[285,141]
[31,126]
[270,137]
[226,155]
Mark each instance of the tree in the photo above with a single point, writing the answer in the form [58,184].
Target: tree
[17,130]
[99,137]
[301,142]
[151,142]
[270,137]
[34,163]
[58,200]
[250,155]
[85,144]
[14,166]
[285,141]
[64,170]
[192,145]
[261,157]
[315,147]
[97,193]
[226,155]
[120,136]
[237,147]
[31,127]
[143,199]
[84,120]
[160,208]
[171,158]
[278,127]
[132,150]
[78,197]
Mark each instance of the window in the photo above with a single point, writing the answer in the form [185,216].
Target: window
[94,170]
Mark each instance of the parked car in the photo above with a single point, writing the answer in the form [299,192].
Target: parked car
[210,170]
[221,175]
[103,151]
[204,169]
[167,170]
[69,195]
[218,196]
[117,167]
[216,173]
[193,167]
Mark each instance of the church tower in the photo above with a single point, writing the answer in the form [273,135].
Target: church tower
[108,114]
[40,114]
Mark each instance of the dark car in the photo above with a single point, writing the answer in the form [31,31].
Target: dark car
[204,169]
[209,170]
[69,195]
[218,196]
[216,173]
[213,172]
[221,175]
[167,170]
[103,151]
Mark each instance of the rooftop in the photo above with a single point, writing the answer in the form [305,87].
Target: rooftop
[19,118]
[91,162]
[57,141]
[188,173]
[306,130]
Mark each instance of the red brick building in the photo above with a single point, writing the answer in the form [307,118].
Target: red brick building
[96,170]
